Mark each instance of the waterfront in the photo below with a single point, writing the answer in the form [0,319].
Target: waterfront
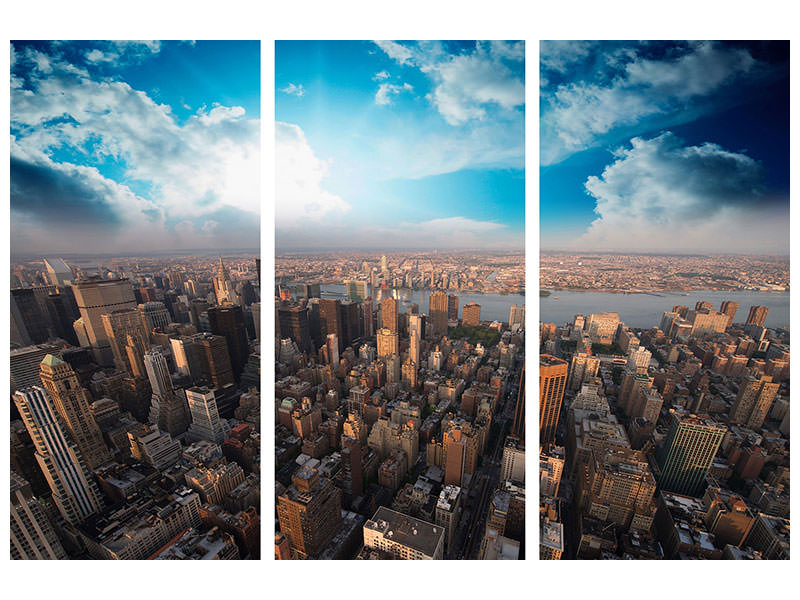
[494,307]
[645,310]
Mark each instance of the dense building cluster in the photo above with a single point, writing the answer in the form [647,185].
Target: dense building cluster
[396,437]
[665,443]
[135,429]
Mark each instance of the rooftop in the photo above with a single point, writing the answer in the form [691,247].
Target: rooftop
[414,533]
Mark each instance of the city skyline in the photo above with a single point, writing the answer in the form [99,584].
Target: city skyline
[399,144]
[665,146]
[127,145]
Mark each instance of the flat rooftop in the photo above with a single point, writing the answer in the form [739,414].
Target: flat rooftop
[407,531]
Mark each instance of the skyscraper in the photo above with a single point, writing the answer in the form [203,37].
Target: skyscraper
[389,314]
[518,427]
[128,337]
[215,360]
[310,512]
[293,322]
[71,402]
[753,401]
[388,343]
[58,272]
[438,310]
[223,286]
[452,307]
[228,321]
[471,314]
[96,297]
[552,383]
[32,535]
[75,492]
[168,408]
[206,422]
[757,315]
[516,317]
[690,448]
[330,320]
[729,308]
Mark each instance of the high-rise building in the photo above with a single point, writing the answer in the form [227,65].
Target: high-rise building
[96,297]
[357,291]
[582,369]
[128,337]
[154,315]
[228,321]
[206,422]
[518,426]
[330,320]
[28,323]
[438,306]
[168,407]
[58,272]
[471,314]
[388,343]
[74,491]
[71,402]
[452,307]
[688,452]
[757,315]
[309,512]
[293,323]
[215,360]
[367,322]
[389,314]
[351,322]
[516,317]
[729,308]
[404,537]
[513,466]
[154,447]
[552,383]
[754,400]
[32,534]
[416,324]
[223,286]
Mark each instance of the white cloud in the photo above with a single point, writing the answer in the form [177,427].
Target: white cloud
[206,164]
[381,75]
[661,195]
[301,197]
[294,90]
[386,90]
[575,116]
[559,55]
[466,85]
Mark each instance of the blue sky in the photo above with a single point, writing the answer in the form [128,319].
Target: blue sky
[400,144]
[664,146]
[123,146]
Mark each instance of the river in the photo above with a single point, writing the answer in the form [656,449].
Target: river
[494,307]
[645,310]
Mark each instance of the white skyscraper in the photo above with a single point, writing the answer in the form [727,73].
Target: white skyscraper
[206,422]
[74,490]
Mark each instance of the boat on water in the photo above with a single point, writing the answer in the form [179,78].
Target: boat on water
[555,297]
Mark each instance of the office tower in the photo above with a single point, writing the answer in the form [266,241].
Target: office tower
[26,362]
[215,360]
[198,307]
[552,383]
[168,407]
[309,512]
[293,322]
[513,465]
[96,297]
[28,324]
[155,315]
[701,305]
[388,343]
[729,308]
[367,322]
[516,317]
[330,320]
[223,286]
[757,315]
[351,322]
[32,535]
[416,323]
[438,305]
[332,349]
[206,422]
[414,350]
[71,402]
[384,266]
[707,321]
[460,450]
[129,340]
[471,314]
[448,512]
[255,308]
[228,321]
[186,354]
[403,537]
[389,314]
[57,271]
[409,374]
[688,452]
[753,401]
[61,318]
[154,447]
[357,291]
[352,472]
[602,327]
[74,491]
[582,369]
[452,307]
[518,426]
